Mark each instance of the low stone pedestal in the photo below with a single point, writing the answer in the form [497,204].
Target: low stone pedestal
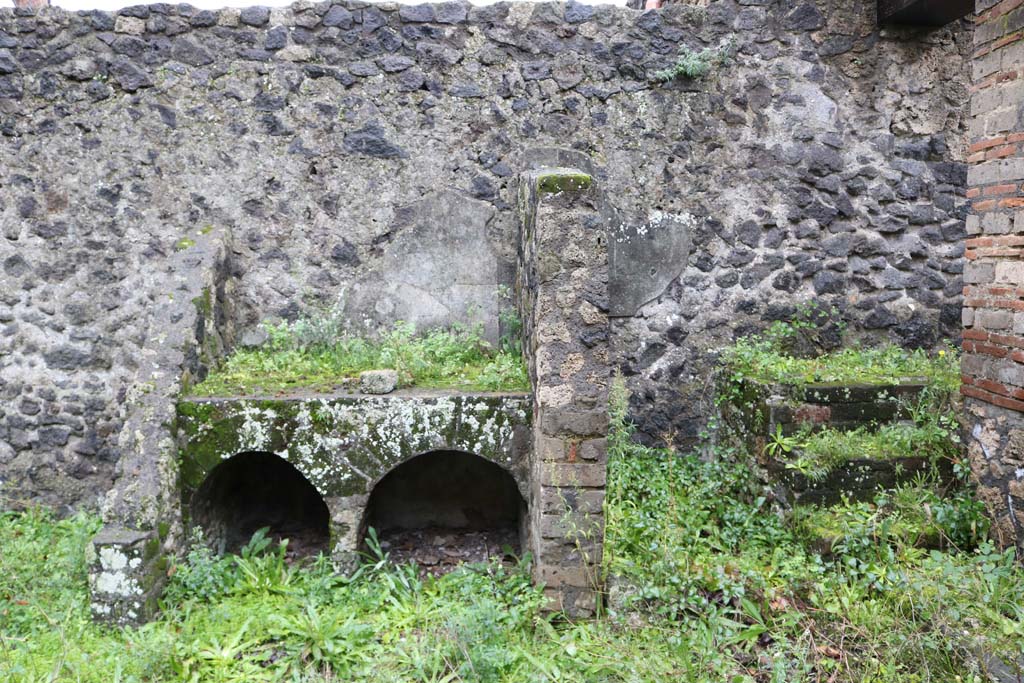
[127,572]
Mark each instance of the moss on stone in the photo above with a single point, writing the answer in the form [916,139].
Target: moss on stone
[343,444]
[204,303]
[209,439]
[554,182]
[184,243]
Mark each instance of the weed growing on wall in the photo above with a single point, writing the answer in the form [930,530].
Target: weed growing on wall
[694,64]
[319,355]
[932,432]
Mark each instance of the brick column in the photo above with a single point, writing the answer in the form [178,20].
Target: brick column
[562,290]
[993,316]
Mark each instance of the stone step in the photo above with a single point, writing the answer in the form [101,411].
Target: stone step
[763,409]
[858,479]
[826,529]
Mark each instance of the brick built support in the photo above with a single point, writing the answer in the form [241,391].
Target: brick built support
[562,289]
[993,315]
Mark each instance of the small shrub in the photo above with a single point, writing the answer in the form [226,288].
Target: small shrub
[203,576]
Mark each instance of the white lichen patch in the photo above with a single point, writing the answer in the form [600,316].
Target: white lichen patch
[112,559]
[347,444]
[254,432]
[115,573]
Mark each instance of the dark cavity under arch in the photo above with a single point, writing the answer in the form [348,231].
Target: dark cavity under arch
[253,490]
[443,507]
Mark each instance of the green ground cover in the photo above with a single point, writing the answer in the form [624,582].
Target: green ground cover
[932,434]
[707,582]
[709,585]
[311,355]
[778,357]
[912,514]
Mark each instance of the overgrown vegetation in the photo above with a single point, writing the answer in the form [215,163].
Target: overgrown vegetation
[696,542]
[932,432]
[318,354]
[785,354]
[912,514]
[708,582]
[708,585]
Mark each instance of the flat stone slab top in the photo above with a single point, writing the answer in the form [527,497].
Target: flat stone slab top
[345,443]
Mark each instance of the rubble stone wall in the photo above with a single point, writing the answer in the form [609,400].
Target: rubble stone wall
[365,156]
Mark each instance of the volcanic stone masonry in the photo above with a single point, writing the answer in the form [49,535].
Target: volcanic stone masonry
[171,176]
[993,316]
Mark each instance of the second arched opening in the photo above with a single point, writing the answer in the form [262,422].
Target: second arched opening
[444,508]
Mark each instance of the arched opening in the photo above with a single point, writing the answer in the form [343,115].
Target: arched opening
[444,508]
[254,490]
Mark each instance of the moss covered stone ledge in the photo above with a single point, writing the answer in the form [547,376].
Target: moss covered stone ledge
[344,444]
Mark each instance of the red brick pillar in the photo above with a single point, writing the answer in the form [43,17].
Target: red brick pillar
[993,316]
[32,4]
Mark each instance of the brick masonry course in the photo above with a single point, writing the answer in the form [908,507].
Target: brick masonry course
[993,345]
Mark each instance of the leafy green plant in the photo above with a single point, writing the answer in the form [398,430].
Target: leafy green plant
[262,567]
[779,444]
[330,643]
[220,659]
[694,64]
[202,576]
[511,342]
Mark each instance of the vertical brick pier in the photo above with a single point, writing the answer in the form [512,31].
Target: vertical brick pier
[562,289]
[993,315]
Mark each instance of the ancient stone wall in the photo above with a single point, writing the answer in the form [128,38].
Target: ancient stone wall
[993,315]
[364,156]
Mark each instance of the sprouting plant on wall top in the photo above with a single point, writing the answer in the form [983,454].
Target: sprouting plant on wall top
[695,64]
[779,444]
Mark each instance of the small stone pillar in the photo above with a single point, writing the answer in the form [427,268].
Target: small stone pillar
[562,288]
[127,573]
[142,511]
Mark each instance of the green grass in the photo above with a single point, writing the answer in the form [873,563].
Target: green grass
[768,358]
[695,541]
[914,515]
[455,358]
[711,585]
[815,454]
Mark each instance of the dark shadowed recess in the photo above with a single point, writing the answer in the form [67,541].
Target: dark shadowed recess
[447,507]
[255,490]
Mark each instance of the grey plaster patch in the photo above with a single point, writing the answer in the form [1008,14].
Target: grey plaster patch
[644,258]
[439,265]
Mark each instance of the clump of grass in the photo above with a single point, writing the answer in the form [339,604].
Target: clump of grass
[934,438]
[911,515]
[317,355]
[768,358]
